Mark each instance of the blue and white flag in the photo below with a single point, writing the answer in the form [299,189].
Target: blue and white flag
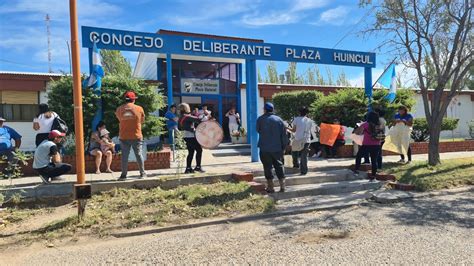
[97,72]
[389,80]
[95,81]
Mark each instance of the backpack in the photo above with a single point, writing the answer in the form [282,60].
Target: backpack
[184,126]
[60,125]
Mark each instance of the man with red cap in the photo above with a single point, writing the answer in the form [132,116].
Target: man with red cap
[47,160]
[131,117]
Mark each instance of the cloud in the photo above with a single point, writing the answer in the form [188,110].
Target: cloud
[294,12]
[274,18]
[210,12]
[59,10]
[335,16]
[302,5]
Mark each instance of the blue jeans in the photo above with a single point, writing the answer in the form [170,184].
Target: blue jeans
[137,146]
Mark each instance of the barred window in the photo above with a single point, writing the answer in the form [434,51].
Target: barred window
[18,112]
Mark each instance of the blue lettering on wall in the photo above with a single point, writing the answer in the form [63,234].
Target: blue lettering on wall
[185,45]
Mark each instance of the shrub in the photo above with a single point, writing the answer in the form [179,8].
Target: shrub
[421,131]
[350,105]
[287,103]
[60,100]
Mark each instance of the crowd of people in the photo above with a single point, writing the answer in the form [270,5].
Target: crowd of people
[275,135]
[304,137]
[51,131]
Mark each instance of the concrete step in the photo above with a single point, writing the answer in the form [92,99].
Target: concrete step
[317,177]
[224,146]
[329,188]
[323,201]
[231,152]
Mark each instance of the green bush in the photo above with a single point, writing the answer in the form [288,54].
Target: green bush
[421,131]
[60,100]
[350,105]
[287,103]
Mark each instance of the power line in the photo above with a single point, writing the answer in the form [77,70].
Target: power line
[20,64]
[353,27]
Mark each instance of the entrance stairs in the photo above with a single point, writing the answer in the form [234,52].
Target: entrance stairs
[229,149]
[323,185]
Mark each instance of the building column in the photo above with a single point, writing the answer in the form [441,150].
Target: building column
[169,79]
[252,106]
[368,85]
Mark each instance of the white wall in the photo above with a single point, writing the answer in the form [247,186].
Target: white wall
[260,104]
[25,129]
[460,107]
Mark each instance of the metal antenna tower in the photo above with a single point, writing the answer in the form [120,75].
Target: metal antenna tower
[49,43]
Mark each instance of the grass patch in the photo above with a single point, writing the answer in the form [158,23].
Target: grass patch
[130,208]
[450,173]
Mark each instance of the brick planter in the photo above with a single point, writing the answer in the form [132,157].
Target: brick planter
[402,186]
[419,148]
[243,176]
[155,160]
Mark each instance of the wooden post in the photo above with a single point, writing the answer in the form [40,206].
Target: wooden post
[77,92]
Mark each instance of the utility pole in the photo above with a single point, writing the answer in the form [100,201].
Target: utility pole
[49,42]
[78,120]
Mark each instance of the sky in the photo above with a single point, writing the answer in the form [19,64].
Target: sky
[317,23]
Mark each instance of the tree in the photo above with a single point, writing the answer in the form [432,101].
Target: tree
[342,79]
[292,73]
[311,78]
[272,73]
[435,38]
[319,78]
[259,76]
[115,64]
[60,100]
[330,77]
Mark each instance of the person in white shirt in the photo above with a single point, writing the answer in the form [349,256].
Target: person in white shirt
[43,123]
[234,120]
[205,114]
[302,127]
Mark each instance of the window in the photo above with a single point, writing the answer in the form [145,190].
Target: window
[18,112]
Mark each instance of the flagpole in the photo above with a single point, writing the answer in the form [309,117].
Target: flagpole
[384,72]
[77,92]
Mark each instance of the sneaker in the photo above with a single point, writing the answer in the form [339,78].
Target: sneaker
[57,178]
[296,166]
[401,161]
[122,178]
[189,171]
[144,175]
[408,162]
[318,154]
[270,190]
[199,169]
[366,163]
[303,173]
[44,179]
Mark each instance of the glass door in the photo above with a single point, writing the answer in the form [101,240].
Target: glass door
[214,104]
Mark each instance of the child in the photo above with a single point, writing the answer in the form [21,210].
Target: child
[106,142]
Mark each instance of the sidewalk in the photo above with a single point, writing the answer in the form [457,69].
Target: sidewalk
[222,165]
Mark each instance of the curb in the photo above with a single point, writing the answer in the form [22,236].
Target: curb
[64,190]
[241,219]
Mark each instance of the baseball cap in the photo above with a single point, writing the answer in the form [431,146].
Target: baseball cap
[2,119]
[130,95]
[104,132]
[56,133]
[268,106]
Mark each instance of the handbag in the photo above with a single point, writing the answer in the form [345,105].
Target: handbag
[298,145]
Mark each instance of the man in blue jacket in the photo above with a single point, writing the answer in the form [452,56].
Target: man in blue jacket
[272,143]
[7,134]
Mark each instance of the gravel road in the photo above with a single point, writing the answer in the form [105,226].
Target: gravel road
[436,230]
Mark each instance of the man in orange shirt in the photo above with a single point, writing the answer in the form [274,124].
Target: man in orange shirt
[131,118]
